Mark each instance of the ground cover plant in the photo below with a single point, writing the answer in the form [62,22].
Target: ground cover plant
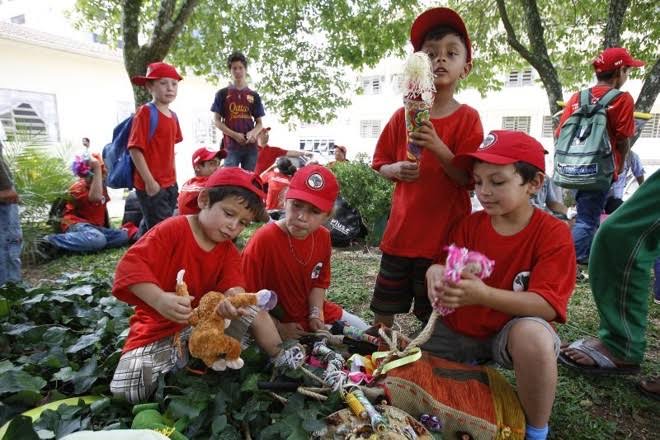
[61,335]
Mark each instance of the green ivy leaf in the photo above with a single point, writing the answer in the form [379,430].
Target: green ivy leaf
[20,428]
[312,425]
[84,342]
[14,381]
[219,424]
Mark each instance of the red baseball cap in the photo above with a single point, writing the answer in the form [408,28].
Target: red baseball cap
[235,176]
[314,184]
[205,153]
[503,147]
[156,71]
[433,18]
[614,57]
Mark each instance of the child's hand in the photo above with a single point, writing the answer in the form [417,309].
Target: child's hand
[435,284]
[316,324]
[291,330]
[8,196]
[404,171]
[470,290]
[426,137]
[227,310]
[174,307]
[240,138]
[151,187]
[251,136]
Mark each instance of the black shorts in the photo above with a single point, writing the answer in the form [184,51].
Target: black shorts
[401,282]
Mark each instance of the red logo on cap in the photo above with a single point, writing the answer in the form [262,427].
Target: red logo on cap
[488,141]
[315,181]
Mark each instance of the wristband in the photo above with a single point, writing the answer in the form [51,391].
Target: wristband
[314,312]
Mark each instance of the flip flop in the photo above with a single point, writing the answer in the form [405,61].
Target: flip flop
[648,393]
[604,365]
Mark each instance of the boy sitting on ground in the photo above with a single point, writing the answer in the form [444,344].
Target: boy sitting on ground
[506,317]
[202,245]
[204,161]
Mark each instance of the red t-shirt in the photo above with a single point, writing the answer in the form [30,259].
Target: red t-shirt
[267,156]
[278,184]
[269,263]
[424,211]
[539,259]
[156,258]
[159,152]
[187,201]
[620,118]
[80,209]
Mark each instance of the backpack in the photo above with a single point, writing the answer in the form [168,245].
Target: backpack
[583,153]
[116,157]
[346,225]
[56,212]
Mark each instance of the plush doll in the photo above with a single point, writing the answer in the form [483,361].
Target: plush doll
[208,341]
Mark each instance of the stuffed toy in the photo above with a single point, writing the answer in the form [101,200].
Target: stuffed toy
[208,341]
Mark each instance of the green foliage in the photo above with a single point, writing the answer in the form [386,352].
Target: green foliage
[40,176]
[299,52]
[367,191]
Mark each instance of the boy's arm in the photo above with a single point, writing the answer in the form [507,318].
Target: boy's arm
[168,304]
[623,145]
[316,300]
[220,123]
[96,188]
[151,187]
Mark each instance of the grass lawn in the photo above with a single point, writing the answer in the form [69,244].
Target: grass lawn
[585,407]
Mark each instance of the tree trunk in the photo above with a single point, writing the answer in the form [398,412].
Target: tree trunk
[649,93]
[616,13]
[168,25]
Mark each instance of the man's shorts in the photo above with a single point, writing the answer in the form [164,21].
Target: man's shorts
[136,376]
[448,344]
[400,282]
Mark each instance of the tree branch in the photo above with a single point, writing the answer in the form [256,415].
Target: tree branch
[511,33]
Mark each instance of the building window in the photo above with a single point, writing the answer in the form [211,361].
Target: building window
[517,123]
[651,128]
[29,114]
[19,19]
[372,85]
[547,130]
[519,78]
[370,128]
[317,145]
[205,132]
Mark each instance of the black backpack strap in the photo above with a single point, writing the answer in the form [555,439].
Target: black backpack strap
[609,97]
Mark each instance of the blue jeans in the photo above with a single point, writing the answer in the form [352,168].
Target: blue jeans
[11,243]
[589,205]
[83,237]
[245,156]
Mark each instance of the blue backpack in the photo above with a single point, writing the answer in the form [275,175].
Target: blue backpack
[117,159]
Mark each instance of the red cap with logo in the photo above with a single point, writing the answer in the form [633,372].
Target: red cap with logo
[614,57]
[205,153]
[235,176]
[432,18]
[503,147]
[157,71]
[314,184]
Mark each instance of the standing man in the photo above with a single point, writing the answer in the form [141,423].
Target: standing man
[11,237]
[238,112]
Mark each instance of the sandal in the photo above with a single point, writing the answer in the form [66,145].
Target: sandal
[643,387]
[603,364]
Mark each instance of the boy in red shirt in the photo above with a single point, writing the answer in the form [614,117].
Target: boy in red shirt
[204,161]
[84,222]
[430,195]
[292,256]
[278,181]
[155,174]
[505,317]
[202,245]
[612,67]
[269,154]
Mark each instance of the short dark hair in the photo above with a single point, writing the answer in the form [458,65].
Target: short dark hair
[439,32]
[285,166]
[526,170]
[249,199]
[607,76]
[236,56]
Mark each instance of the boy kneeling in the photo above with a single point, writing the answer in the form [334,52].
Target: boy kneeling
[202,245]
[505,317]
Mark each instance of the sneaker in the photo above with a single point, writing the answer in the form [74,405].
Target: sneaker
[131,230]
[656,300]
[45,250]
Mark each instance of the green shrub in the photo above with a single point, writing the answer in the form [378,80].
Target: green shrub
[368,192]
[40,176]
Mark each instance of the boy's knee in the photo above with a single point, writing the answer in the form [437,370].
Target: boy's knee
[529,337]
